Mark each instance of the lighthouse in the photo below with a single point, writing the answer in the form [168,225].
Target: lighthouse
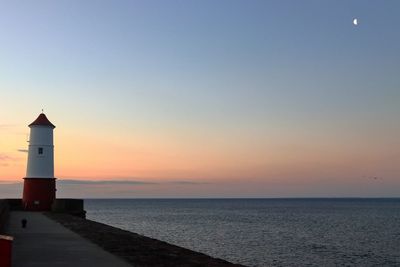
[40,183]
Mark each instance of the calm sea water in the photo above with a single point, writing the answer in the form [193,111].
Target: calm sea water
[266,232]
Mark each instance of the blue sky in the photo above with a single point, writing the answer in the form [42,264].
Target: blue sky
[273,50]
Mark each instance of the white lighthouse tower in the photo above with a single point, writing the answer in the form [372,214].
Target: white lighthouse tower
[40,183]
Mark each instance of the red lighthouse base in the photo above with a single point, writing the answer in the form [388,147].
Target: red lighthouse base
[39,193]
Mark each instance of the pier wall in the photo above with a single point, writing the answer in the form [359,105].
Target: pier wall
[70,206]
[4,214]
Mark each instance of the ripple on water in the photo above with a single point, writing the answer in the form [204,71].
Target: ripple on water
[267,232]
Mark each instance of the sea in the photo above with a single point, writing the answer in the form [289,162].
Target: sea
[266,232]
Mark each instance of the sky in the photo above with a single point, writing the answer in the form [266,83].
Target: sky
[204,98]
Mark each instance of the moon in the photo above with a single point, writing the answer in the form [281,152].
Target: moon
[355,22]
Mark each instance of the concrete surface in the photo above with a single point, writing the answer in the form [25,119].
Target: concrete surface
[46,243]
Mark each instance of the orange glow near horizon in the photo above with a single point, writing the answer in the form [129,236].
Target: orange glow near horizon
[234,160]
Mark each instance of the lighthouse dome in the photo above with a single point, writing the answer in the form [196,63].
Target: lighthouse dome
[42,120]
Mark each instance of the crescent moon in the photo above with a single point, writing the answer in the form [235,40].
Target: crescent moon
[355,22]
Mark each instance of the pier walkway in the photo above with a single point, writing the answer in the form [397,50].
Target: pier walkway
[46,243]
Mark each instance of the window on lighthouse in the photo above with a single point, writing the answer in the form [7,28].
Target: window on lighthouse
[40,150]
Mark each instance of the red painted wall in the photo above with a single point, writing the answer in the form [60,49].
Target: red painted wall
[5,251]
[39,193]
